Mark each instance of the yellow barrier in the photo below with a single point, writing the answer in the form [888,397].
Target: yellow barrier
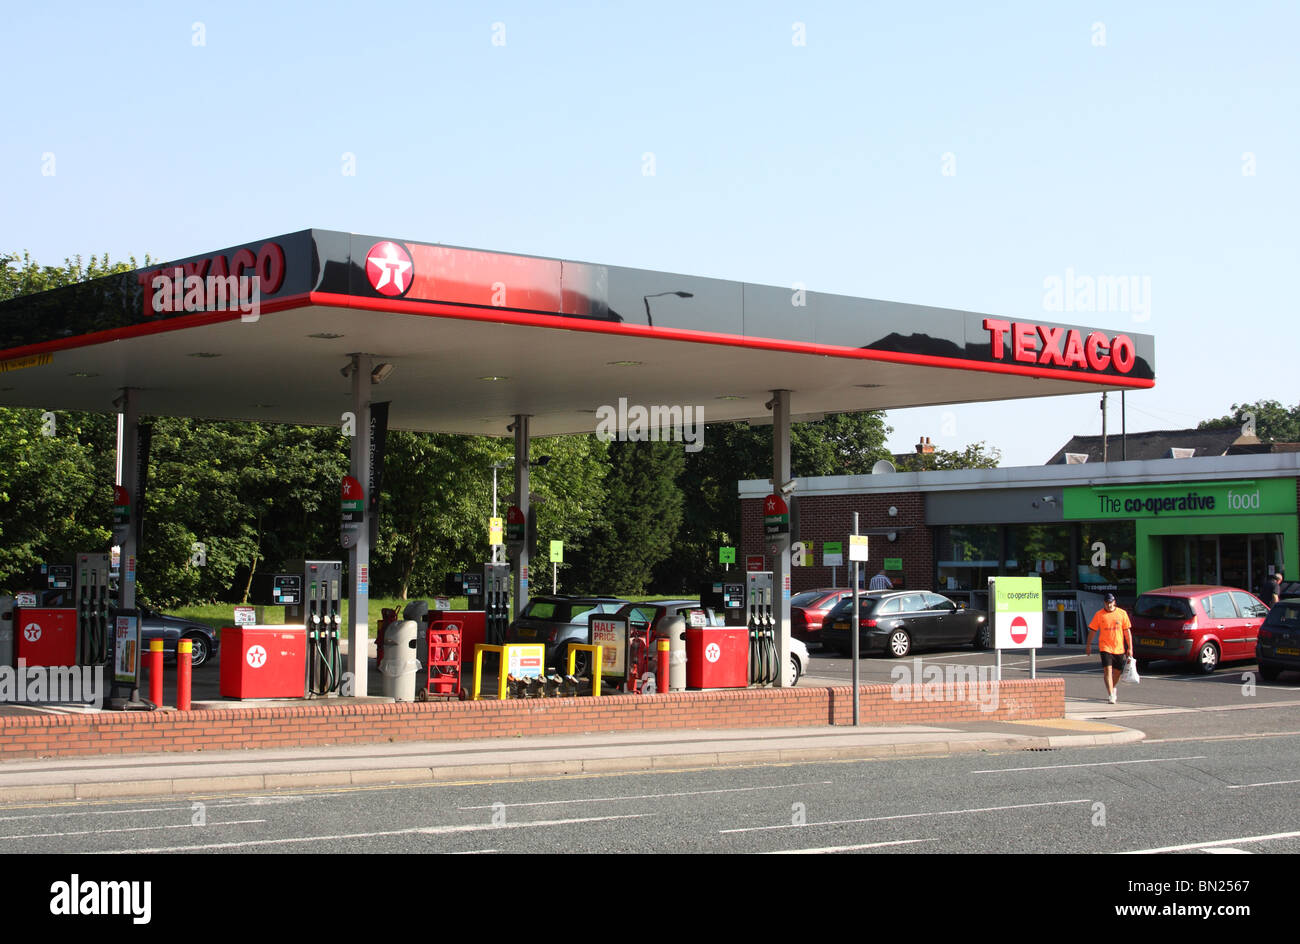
[574,649]
[501,669]
[503,654]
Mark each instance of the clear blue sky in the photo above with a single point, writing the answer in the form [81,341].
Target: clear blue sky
[774,162]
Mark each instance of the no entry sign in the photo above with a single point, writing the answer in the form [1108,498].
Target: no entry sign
[1017,605]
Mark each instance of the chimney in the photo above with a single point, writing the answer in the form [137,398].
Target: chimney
[925,446]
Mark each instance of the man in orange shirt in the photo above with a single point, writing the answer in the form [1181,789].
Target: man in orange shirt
[1115,644]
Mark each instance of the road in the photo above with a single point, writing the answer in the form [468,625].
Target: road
[1219,771]
[1177,795]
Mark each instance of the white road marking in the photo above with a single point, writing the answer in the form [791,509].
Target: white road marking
[1217,842]
[827,849]
[132,829]
[1228,850]
[1108,763]
[880,819]
[1266,783]
[214,804]
[412,831]
[1224,737]
[648,796]
[1040,660]
[150,809]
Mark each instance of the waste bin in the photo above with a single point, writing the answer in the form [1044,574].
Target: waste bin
[674,630]
[400,664]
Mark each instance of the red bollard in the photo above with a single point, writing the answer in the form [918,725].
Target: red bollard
[156,671]
[184,666]
[661,683]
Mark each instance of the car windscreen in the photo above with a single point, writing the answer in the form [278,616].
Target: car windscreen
[1150,606]
[556,612]
[1286,614]
[844,609]
[807,598]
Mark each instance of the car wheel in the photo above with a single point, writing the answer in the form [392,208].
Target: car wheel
[984,638]
[795,671]
[1207,660]
[1269,672]
[900,644]
[200,651]
[581,665]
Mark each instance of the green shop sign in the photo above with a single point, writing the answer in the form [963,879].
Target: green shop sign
[1193,499]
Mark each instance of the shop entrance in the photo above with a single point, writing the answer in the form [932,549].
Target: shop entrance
[1233,560]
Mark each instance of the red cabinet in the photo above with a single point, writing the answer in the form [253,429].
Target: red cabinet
[717,657]
[46,636]
[263,661]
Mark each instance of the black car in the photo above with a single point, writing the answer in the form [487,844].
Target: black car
[898,621]
[1277,648]
[172,629]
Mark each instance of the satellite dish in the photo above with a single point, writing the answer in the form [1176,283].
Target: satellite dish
[883,467]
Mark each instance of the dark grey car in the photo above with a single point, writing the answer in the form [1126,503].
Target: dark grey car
[1277,646]
[898,621]
[556,620]
[172,629]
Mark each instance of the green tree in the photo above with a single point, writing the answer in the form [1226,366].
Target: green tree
[22,275]
[1270,420]
[54,489]
[974,456]
[638,522]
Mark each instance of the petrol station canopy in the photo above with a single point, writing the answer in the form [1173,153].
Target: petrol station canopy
[475,337]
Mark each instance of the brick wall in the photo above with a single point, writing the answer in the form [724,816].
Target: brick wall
[830,518]
[30,736]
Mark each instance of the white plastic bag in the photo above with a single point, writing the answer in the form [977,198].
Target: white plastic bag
[1131,672]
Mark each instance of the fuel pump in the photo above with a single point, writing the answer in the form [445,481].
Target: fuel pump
[496,602]
[94,608]
[467,584]
[762,628]
[726,596]
[54,585]
[6,631]
[322,583]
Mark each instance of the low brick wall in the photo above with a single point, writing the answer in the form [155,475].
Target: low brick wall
[307,725]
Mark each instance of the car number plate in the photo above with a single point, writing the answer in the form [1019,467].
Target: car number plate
[527,633]
[1154,643]
[1288,651]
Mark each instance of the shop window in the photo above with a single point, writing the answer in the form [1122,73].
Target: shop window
[1107,557]
[967,556]
[1040,550]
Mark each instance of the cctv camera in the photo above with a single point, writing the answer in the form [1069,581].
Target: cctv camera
[788,488]
[510,428]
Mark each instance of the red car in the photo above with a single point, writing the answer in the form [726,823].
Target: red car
[808,609]
[1198,624]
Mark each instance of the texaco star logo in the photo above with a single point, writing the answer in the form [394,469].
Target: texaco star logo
[388,266]
[713,652]
[256,656]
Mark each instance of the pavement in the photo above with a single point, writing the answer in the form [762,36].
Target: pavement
[1087,722]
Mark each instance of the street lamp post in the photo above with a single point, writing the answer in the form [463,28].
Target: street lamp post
[646,298]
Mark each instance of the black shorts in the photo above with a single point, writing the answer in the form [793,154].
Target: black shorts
[1115,659]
